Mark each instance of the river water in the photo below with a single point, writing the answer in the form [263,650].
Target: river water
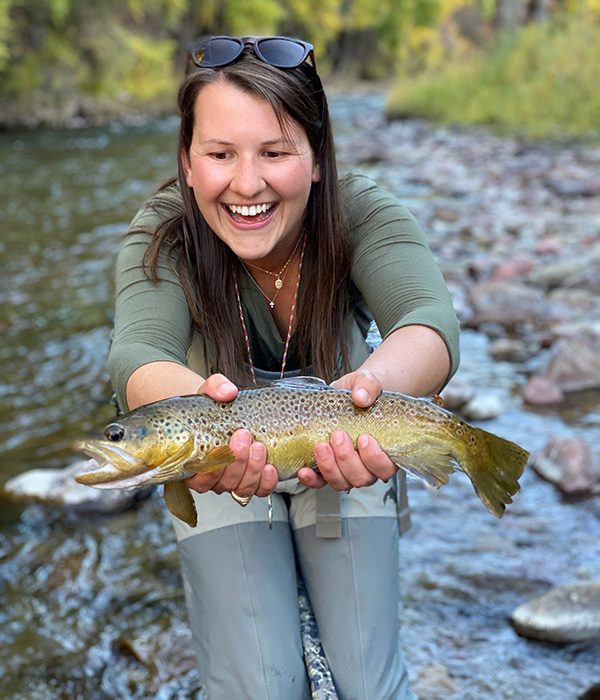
[92,606]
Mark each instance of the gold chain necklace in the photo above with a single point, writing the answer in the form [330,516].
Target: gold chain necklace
[279,276]
[260,289]
[290,323]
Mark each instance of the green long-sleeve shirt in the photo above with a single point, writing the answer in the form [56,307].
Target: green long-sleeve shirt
[396,280]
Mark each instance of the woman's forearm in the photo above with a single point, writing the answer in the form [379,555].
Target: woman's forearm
[413,360]
[160,380]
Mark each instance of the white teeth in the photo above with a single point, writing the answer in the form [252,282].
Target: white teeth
[252,210]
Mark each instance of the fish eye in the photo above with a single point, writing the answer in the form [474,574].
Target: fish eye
[114,432]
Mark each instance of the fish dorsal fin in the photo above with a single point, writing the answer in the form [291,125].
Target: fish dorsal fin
[300,383]
[180,502]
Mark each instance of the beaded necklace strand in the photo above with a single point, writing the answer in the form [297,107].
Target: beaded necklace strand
[290,323]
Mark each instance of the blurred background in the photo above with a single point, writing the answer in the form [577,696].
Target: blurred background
[483,117]
[500,62]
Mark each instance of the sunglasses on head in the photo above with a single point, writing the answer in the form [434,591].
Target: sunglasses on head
[277,51]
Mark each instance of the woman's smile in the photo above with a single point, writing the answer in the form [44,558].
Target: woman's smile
[251,213]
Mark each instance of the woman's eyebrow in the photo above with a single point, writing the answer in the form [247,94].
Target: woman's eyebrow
[223,142]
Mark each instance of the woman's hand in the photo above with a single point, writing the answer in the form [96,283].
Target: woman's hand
[341,465]
[249,474]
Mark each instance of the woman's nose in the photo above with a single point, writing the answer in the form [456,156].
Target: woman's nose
[247,180]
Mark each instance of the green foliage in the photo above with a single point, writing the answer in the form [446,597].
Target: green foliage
[61,56]
[5,26]
[541,81]
[67,57]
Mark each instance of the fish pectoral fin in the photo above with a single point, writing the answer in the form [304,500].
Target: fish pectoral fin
[180,502]
[434,468]
[215,458]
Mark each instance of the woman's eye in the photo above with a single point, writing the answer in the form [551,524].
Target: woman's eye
[219,155]
[273,154]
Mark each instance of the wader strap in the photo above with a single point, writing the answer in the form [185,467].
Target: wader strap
[402,503]
[329,521]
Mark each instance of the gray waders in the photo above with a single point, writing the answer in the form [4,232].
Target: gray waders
[250,589]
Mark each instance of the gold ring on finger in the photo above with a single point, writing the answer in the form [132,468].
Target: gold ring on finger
[242,500]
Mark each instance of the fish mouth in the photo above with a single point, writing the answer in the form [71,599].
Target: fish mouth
[116,468]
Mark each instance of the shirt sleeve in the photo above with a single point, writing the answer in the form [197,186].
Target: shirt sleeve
[393,266]
[152,320]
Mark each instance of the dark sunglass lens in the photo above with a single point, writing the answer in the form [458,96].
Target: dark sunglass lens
[281,53]
[218,51]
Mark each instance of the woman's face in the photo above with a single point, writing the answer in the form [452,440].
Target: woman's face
[251,181]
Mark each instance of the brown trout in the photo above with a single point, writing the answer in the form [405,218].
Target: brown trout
[170,440]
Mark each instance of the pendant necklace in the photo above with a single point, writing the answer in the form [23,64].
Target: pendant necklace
[279,276]
[271,303]
[271,300]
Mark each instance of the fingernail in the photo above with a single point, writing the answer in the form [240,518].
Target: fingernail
[225,388]
[337,438]
[256,451]
[363,441]
[321,450]
[361,395]
[245,438]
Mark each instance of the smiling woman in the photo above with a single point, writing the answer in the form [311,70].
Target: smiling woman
[259,262]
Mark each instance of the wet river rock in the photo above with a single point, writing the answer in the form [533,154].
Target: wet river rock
[570,464]
[564,614]
[572,364]
[58,487]
[508,303]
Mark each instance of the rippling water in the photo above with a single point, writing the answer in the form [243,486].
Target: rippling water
[92,606]
[67,200]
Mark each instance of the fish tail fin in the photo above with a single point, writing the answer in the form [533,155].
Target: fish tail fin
[494,467]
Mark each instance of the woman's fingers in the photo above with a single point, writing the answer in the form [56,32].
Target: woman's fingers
[344,467]
[204,482]
[268,481]
[248,475]
[365,386]
[328,467]
[374,458]
[219,388]
[311,478]
[245,482]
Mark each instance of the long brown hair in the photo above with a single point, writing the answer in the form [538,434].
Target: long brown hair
[207,267]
